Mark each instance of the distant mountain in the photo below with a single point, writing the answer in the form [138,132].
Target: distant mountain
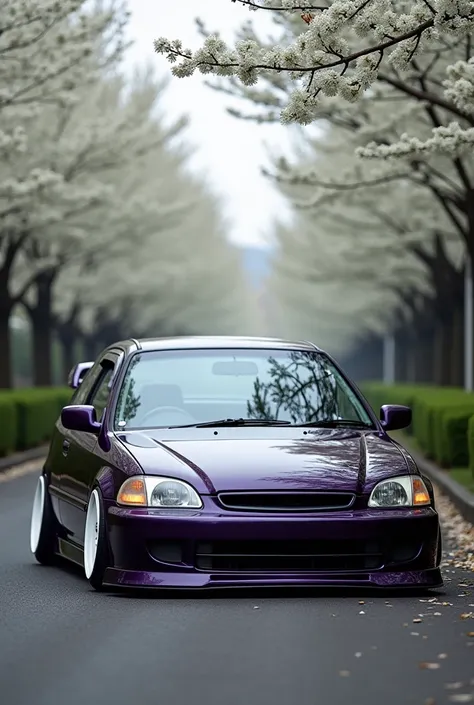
[256,261]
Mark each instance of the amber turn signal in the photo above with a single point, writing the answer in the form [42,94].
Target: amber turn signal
[133,492]
[420,493]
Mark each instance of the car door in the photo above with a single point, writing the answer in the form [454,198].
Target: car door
[81,463]
[57,461]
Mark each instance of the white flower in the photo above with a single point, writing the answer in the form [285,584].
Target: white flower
[339,51]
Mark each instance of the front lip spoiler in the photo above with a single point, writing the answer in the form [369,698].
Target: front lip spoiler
[198,581]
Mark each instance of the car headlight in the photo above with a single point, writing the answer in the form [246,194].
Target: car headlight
[406,491]
[160,492]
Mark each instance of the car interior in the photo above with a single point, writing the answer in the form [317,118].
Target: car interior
[155,396]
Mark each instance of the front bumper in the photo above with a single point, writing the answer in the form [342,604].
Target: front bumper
[214,549]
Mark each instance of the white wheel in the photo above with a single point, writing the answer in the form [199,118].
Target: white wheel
[37,515]
[97,553]
[91,536]
[43,536]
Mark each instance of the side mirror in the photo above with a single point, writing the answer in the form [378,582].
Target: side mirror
[80,418]
[395,417]
[78,373]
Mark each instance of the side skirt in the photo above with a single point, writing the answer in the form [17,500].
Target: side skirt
[71,552]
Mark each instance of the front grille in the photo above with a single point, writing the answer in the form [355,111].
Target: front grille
[286,501]
[288,556]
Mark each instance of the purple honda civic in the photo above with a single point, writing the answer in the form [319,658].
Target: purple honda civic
[209,462]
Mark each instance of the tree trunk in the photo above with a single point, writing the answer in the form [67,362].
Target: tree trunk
[42,343]
[424,357]
[443,343]
[412,343]
[468,352]
[68,335]
[373,354]
[365,361]
[6,372]
[447,283]
[108,331]
[90,347]
[401,345]
[469,294]
[457,353]
[67,340]
[42,330]
[6,308]
[12,245]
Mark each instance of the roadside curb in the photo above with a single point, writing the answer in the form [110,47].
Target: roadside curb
[12,461]
[460,496]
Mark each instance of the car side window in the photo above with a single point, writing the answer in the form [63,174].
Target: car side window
[100,396]
[82,393]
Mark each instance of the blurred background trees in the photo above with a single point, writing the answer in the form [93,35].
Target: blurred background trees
[104,234]
[377,264]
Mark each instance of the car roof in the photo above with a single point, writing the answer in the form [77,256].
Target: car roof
[196,342]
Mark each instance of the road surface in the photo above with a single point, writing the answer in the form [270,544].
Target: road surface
[61,643]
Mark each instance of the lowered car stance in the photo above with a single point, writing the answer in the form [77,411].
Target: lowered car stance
[221,462]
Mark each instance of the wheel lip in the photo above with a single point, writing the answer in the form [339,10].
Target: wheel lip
[37,514]
[91,534]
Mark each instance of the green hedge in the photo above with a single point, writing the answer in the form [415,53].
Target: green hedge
[378,394]
[27,416]
[441,418]
[470,443]
[8,425]
[454,442]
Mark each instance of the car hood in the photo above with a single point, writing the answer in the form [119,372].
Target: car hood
[323,459]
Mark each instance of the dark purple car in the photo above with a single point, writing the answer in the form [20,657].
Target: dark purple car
[215,462]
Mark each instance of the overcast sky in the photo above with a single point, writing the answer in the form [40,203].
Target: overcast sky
[230,151]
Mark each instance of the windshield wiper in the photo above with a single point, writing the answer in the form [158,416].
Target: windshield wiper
[237,422]
[334,423]
[329,423]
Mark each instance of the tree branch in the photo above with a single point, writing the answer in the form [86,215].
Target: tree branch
[424,96]
[342,61]
[303,8]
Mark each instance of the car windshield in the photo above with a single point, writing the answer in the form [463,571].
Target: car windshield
[186,387]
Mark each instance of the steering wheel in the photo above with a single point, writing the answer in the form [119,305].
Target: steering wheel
[166,410]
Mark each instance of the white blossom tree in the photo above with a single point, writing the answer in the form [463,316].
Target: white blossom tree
[150,255]
[102,231]
[46,46]
[47,50]
[353,247]
[335,63]
[344,49]
[178,276]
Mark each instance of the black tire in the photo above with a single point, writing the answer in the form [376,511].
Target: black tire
[95,569]
[43,536]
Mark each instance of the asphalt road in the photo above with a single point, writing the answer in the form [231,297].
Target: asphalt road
[61,643]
